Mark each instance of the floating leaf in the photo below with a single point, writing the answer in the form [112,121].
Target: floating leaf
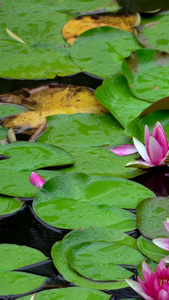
[69,201]
[90,131]
[31,156]
[46,101]
[151,213]
[147,71]
[55,5]
[17,183]
[115,94]
[8,205]
[25,61]
[100,51]
[92,251]
[153,34]
[70,292]
[15,257]
[150,250]
[77,26]
[143,5]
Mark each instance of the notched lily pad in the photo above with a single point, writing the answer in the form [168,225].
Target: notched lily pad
[14,257]
[85,253]
[73,28]
[100,51]
[151,213]
[31,156]
[72,201]
[147,71]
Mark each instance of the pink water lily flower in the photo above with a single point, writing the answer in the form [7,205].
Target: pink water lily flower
[155,285]
[37,180]
[163,242]
[155,152]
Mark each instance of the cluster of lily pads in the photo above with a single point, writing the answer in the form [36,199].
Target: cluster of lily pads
[72,171]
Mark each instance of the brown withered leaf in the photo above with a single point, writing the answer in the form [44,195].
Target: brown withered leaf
[73,28]
[46,101]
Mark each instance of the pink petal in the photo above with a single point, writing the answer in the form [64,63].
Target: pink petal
[126,149]
[37,180]
[141,149]
[146,271]
[166,224]
[163,295]
[138,289]
[160,136]
[155,151]
[139,164]
[146,136]
[162,243]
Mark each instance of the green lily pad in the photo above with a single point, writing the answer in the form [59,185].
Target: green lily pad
[31,156]
[115,94]
[14,257]
[100,161]
[83,130]
[98,190]
[70,293]
[25,61]
[153,34]
[151,213]
[8,205]
[70,201]
[150,250]
[147,71]
[17,183]
[100,51]
[82,133]
[84,254]
[55,5]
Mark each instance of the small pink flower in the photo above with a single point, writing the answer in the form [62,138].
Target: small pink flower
[155,285]
[155,152]
[37,180]
[163,242]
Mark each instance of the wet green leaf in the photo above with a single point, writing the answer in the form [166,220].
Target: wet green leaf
[8,205]
[150,250]
[91,251]
[100,51]
[78,200]
[151,213]
[16,183]
[153,33]
[14,257]
[55,5]
[82,133]
[71,292]
[28,59]
[147,71]
[31,156]
[115,94]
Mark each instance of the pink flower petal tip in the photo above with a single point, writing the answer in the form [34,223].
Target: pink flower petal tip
[37,180]
[155,285]
[154,151]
